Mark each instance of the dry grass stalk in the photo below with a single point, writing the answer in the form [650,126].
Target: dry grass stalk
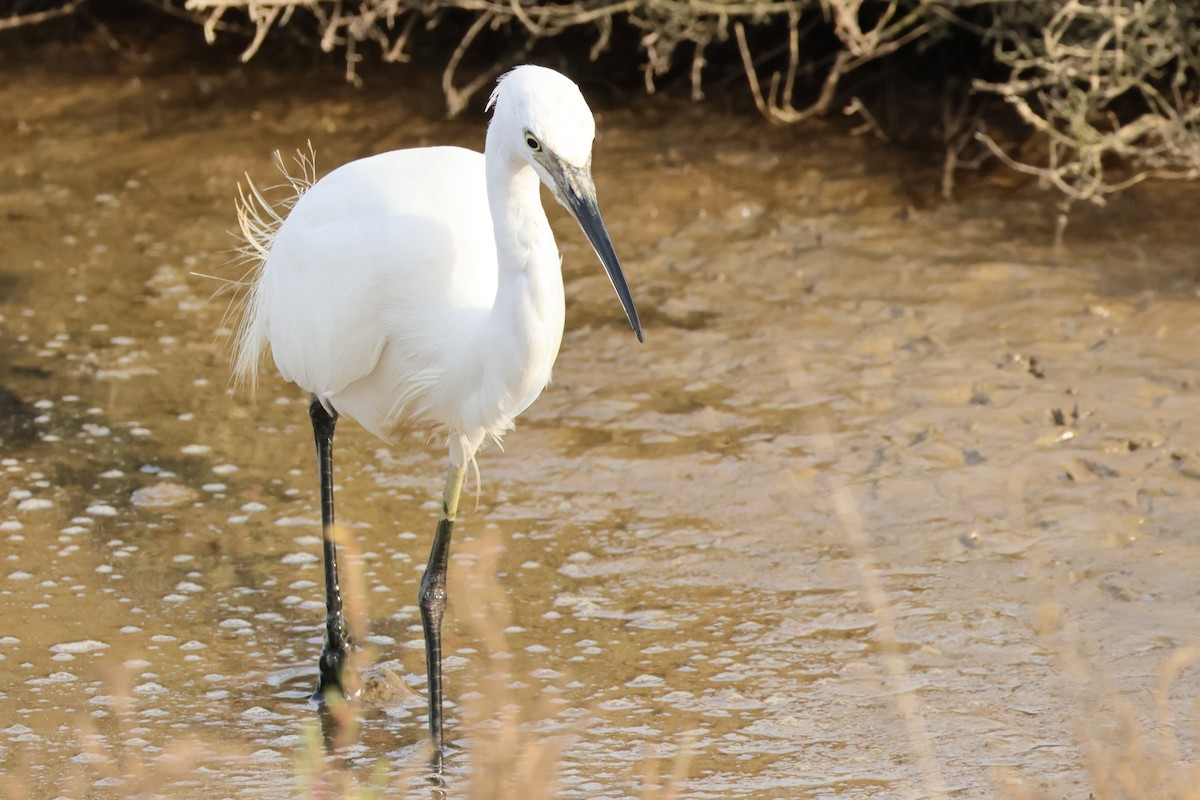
[908,703]
[507,756]
[126,768]
[675,782]
[509,760]
[1120,764]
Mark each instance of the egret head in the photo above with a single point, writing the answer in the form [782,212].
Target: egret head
[541,117]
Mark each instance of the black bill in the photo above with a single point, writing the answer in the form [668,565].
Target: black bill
[579,196]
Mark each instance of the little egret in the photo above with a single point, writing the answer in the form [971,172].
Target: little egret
[423,287]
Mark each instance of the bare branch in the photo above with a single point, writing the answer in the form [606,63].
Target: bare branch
[38,17]
[1108,88]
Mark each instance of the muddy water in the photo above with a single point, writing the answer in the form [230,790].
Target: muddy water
[1014,425]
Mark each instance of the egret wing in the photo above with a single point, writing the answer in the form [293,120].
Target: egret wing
[378,252]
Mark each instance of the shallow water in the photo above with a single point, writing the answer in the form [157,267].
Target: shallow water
[1011,421]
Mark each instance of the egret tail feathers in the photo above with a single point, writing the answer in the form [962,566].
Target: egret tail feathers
[259,219]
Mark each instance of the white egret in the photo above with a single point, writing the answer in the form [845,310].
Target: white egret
[424,287]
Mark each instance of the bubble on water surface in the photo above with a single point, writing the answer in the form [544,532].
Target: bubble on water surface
[645,680]
[101,510]
[35,504]
[54,677]
[258,712]
[582,605]
[82,646]
[619,704]
[162,495]
[383,639]
[266,755]
[734,700]
[150,687]
[288,522]
[21,733]
[728,676]
[651,620]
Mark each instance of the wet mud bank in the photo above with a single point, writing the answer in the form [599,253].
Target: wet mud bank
[1014,427]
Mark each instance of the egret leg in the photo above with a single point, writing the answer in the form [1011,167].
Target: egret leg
[433,603]
[337,631]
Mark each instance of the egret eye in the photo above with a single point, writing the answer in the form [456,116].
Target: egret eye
[533,142]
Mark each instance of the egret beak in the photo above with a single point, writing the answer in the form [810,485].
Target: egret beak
[578,195]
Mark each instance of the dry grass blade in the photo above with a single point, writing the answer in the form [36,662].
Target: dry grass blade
[674,784]
[111,758]
[905,695]
[509,759]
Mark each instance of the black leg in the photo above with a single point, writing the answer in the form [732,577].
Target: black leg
[433,605]
[337,632]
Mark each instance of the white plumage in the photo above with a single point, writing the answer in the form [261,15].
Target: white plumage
[424,287]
